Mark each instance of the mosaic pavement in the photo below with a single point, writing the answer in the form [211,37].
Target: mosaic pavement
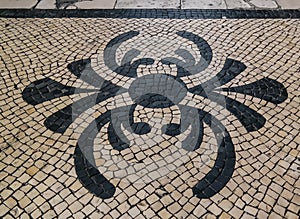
[150,117]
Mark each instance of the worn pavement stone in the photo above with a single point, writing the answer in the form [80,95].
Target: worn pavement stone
[234,4]
[204,4]
[46,4]
[264,3]
[148,4]
[105,4]
[17,3]
[289,4]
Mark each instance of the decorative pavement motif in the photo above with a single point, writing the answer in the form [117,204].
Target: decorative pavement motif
[153,117]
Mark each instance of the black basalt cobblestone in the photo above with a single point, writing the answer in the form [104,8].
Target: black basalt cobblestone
[153,13]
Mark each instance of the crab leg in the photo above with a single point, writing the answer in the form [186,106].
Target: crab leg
[220,174]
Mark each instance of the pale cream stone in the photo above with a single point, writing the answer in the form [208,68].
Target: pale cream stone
[17,3]
[102,4]
[288,4]
[264,3]
[214,4]
[148,4]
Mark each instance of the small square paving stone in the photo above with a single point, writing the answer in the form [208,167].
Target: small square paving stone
[149,113]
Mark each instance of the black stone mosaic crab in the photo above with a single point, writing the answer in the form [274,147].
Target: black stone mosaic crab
[141,93]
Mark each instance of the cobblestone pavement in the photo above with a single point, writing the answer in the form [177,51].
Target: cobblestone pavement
[181,4]
[135,117]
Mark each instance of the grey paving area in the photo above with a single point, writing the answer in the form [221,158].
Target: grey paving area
[182,4]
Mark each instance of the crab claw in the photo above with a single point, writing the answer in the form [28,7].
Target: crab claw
[189,66]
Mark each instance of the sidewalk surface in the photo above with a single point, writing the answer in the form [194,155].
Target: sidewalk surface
[150,113]
[179,4]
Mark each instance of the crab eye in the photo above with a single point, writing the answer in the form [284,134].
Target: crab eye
[141,128]
[171,129]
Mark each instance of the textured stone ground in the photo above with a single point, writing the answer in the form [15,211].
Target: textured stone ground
[149,118]
[182,4]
